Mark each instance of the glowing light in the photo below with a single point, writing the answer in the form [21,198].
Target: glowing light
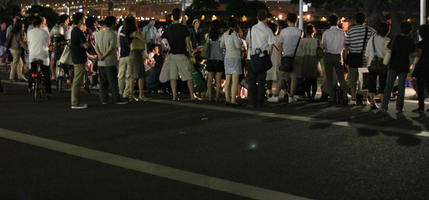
[203,17]
[244,18]
[343,19]
[281,16]
[214,17]
[323,19]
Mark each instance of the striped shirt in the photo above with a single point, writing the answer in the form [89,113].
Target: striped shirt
[355,38]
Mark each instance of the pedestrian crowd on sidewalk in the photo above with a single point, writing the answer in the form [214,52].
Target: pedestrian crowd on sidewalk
[265,61]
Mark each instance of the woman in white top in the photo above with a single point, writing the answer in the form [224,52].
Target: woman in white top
[233,68]
[375,52]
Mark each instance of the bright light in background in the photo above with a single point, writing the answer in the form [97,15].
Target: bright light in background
[281,16]
[244,18]
[253,145]
[214,17]
[323,19]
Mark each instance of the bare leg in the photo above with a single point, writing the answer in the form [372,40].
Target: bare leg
[141,86]
[131,96]
[209,85]
[235,79]
[173,84]
[218,85]
[228,88]
[191,89]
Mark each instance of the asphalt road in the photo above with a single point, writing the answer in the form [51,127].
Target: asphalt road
[316,151]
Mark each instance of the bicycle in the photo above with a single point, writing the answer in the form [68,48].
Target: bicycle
[38,89]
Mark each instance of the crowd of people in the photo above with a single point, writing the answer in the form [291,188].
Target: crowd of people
[266,61]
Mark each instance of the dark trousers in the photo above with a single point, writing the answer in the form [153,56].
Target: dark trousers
[256,86]
[372,79]
[333,62]
[46,74]
[108,80]
[310,87]
[422,83]
[390,81]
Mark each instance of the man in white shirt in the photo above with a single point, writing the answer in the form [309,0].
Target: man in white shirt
[290,39]
[333,45]
[38,46]
[263,39]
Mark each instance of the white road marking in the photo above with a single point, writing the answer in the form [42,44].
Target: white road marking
[183,176]
[423,133]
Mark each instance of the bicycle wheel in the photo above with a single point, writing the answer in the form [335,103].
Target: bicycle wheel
[36,90]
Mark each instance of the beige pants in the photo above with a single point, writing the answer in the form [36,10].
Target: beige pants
[79,73]
[14,67]
[123,76]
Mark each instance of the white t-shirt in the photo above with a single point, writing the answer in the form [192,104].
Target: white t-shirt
[262,38]
[289,38]
[38,45]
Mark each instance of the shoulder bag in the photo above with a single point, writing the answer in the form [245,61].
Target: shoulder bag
[287,61]
[66,57]
[261,61]
[355,60]
[377,65]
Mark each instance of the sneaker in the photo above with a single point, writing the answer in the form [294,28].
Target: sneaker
[79,106]
[121,102]
[273,99]
[352,103]
[291,99]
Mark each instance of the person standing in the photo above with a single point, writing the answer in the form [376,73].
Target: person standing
[15,44]
[402,46]
[233,68]
[178,38]
[105,47]
[38,46]
[333,41]
[195,34]
[356,42]
[310,61]
[150,32]
[421,69]
[290,40]
[124,68]
[375,52]
[78,46]
[263,41]
[137,43]
[215,61]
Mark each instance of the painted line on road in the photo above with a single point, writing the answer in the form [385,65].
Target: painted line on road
[183,176]
[423,133]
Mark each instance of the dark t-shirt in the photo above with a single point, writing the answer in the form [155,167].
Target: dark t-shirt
[78,53]
[125,47]
[176,36]
[3,38]
[402,48]
[422,68]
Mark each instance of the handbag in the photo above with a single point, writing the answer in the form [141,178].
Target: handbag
[355,60]
[261,61]
[66,57]
[377,65]
[164,76]
[287,61]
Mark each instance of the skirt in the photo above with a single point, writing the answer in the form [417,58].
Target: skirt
[136,64]
[233,66]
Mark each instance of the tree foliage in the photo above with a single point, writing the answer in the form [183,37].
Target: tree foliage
[7,10]
[49,13]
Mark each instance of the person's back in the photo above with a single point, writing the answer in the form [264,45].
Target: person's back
[402,47]
[232,44]
[176,36]
[107,40]
[215,52]
[289,37]
[38,45]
